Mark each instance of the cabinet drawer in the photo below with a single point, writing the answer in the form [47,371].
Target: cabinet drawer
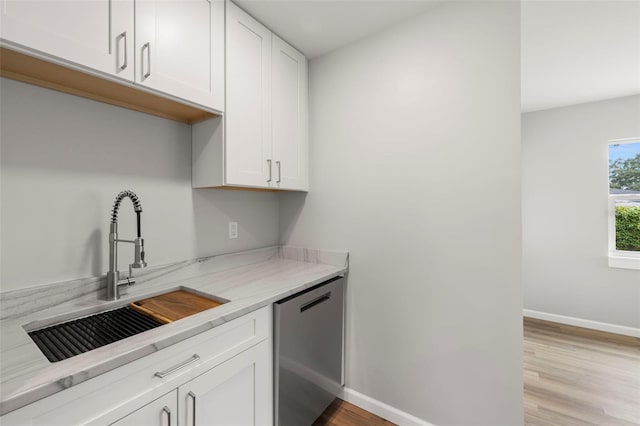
[107,398]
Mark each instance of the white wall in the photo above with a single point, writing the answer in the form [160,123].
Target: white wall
[564,210]
[63,161]
[415,169]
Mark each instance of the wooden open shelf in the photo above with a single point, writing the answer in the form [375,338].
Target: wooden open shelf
[28,69]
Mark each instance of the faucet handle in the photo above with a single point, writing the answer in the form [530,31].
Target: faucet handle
[122,280]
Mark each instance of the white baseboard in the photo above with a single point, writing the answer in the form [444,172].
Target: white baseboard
[381,409]
[579,322]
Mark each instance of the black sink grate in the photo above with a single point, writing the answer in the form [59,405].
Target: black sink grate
[72,338]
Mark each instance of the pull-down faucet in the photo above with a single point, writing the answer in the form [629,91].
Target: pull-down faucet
[113,276]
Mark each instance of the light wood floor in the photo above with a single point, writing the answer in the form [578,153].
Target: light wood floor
[572,377]
[577,376]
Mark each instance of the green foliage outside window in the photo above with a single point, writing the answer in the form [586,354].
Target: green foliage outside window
[628,228]
[625,174]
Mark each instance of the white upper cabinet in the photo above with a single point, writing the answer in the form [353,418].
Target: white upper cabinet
[172,46]
[289,115]
[179,49]
[265,142]
[98,34]
[248,110]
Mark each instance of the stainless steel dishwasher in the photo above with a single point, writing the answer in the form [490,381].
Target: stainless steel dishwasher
[308,345]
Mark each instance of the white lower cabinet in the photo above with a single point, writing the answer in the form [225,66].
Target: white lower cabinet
[235,393]
[238,392]
[161,412]
[222,376]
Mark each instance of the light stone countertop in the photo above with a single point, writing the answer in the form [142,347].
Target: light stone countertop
[249,280]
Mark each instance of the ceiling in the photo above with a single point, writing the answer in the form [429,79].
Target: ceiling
[579,51]
[573,51]
[316,27]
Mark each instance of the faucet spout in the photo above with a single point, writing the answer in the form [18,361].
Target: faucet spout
[113,276]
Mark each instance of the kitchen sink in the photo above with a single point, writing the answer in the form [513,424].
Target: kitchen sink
[71,338]
[64,338]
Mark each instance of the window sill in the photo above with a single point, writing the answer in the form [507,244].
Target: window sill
[624,261]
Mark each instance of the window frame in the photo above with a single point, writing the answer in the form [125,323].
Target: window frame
[620,258]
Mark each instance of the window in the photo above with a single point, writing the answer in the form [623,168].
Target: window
[624,204]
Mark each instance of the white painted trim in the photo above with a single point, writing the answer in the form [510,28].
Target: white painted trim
[624,140]
[381,409]
[624,262]
[620,258]
[579,322]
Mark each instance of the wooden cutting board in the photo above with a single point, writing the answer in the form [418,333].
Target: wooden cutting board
[173,306]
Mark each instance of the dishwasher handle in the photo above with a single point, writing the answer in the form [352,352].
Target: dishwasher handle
[318,300]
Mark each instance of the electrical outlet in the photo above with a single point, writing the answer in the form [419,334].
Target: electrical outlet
[233,230]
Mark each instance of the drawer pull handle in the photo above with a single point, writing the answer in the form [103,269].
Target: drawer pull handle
[177,367]
[123,37]
[193,397]
[269,163]
[316,301]
[148,47]
[166,410]
[279,171]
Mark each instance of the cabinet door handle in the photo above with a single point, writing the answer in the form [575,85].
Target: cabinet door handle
[193,398]
[177,367]
[147,46]
[279,171]
[269,163]
[166,410]
[123,37]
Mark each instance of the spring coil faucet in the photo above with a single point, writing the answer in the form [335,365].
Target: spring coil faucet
[113,276]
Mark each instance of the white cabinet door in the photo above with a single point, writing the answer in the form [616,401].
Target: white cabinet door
[180,49]
[238,392]
[98,34]
[161,412]
[289,115]
[248,103]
